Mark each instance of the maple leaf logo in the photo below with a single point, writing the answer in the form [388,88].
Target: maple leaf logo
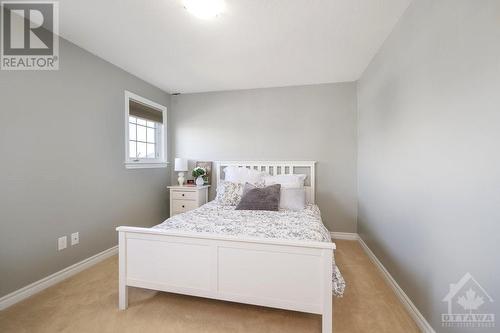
[470,301]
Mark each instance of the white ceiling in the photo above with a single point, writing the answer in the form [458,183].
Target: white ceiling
[254,44]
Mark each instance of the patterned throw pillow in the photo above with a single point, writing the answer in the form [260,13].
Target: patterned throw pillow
[229,193]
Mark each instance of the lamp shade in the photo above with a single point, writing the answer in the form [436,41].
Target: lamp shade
[181,164]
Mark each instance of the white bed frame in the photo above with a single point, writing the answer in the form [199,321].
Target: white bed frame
[284,274]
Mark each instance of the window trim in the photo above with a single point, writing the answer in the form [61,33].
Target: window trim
[161,161]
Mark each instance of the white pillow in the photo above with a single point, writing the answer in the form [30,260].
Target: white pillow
[243,175]
[286,181]
[293,198]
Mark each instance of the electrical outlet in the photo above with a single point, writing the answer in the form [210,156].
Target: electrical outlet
[75,238]
[62,243]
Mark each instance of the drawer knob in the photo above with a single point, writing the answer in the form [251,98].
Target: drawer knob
[182,206]
[182,194]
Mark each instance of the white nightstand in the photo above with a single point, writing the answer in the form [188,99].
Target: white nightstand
[186,198]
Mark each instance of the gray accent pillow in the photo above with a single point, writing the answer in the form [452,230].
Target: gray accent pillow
[256,198]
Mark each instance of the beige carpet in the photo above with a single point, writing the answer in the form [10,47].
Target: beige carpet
[87,302]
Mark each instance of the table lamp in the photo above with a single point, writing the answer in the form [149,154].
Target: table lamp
[181,166]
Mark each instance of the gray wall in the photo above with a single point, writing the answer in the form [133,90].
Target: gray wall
[61,142]
[316,122]
[429,138]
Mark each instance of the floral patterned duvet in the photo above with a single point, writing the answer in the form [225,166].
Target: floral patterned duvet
[213,218]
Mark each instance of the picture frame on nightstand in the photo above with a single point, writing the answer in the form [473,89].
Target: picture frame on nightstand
[207,166]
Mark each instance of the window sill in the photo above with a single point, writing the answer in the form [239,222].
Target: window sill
[146,165]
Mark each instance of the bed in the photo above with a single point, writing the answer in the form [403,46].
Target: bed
[277,259]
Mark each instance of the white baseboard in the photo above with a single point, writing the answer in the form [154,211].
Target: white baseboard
[57,277]
[344,235]
[407,303]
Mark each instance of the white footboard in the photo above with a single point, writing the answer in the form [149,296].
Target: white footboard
[290,275]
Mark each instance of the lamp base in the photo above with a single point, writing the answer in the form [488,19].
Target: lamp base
[181,178]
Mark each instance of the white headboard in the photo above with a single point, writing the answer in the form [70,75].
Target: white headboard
[276,168]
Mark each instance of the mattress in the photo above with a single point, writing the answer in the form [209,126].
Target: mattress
[212,218]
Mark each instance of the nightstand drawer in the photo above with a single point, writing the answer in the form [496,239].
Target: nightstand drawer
[184,195]
[181,206]
[186,198]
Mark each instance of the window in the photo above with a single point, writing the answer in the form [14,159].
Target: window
[145,141]
[142,138]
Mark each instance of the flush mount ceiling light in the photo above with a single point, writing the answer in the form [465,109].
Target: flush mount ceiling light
[204,9]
